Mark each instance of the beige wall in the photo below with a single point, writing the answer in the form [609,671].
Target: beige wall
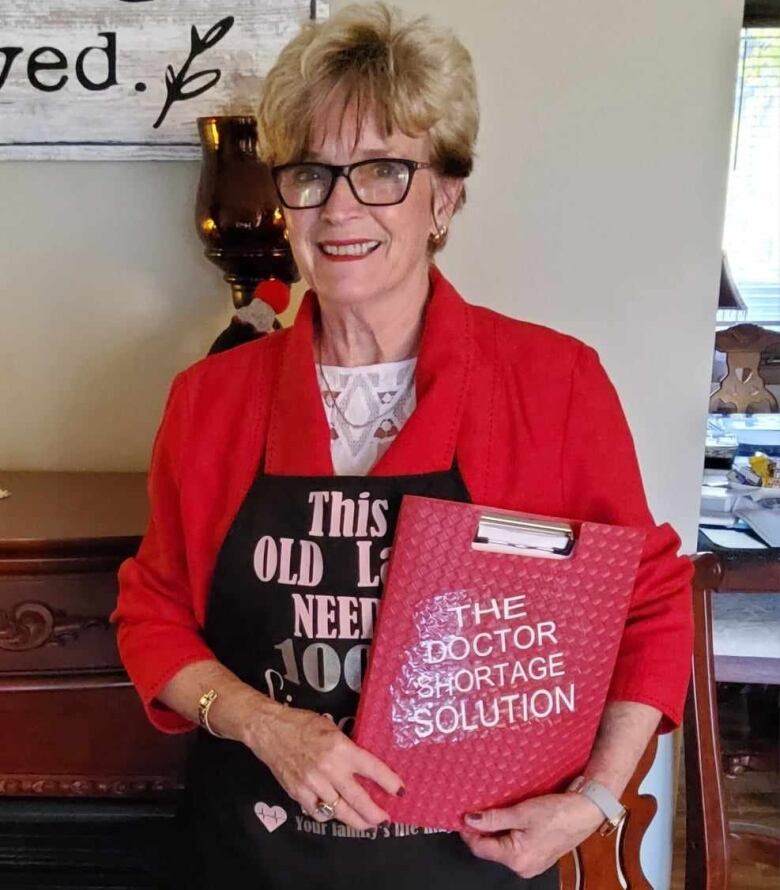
[598,198]
[105,296]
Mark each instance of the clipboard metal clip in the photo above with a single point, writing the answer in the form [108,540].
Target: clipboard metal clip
[523,535]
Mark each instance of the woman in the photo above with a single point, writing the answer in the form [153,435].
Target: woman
[387,384]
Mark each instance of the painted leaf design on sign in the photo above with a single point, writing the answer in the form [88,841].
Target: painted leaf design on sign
[214,73]
[214,34]
[175,83]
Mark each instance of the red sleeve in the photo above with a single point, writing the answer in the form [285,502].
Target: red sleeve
[157,632]
[602,482]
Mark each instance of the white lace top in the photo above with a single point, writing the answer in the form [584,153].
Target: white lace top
[372,404]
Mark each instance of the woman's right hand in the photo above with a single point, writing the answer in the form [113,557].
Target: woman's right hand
[312,759]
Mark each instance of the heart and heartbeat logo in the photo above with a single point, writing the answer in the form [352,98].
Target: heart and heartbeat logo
[271,816]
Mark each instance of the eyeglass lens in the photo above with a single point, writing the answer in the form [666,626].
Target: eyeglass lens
[375,182]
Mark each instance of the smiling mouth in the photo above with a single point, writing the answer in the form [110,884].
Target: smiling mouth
[348,249]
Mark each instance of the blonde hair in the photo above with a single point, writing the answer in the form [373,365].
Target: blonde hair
[412,75]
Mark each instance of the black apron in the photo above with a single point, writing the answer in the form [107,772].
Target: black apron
[291,610]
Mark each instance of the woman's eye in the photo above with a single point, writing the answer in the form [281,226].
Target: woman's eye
[306,174]
[385,171]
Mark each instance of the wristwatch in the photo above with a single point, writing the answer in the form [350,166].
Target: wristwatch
[613,810]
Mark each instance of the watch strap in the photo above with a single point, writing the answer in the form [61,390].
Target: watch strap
[604,799]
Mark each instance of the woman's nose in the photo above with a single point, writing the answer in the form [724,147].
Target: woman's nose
[342,203]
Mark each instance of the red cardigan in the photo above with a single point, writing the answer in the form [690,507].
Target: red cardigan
[537,426]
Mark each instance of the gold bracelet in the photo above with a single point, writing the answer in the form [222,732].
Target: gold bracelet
[204,704]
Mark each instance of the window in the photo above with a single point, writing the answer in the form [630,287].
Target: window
[751,237]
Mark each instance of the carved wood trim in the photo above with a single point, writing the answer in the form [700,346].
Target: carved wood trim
[65,557]
[743,387]
[32,625]
[746,338]
[61,566]
[706,844]
[569,871]
[87,786]
[754,576]
[594,864]
[77,681]
[641,811]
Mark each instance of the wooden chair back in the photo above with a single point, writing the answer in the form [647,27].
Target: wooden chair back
[706,854]
[712,842]
[743,389]
[612,863]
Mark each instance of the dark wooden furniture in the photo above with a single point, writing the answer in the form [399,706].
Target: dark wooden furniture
[85,781]
[712,842]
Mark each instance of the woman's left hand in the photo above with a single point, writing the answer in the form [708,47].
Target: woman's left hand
[533,835]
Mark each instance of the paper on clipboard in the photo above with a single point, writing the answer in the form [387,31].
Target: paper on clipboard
[517,535]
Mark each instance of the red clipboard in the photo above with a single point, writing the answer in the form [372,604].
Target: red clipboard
[492,655]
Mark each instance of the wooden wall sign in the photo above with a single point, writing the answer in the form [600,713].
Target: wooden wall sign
[126,79]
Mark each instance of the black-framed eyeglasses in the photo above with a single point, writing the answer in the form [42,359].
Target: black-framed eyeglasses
[377,182]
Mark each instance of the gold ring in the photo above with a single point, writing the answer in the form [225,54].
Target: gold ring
[326,810]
